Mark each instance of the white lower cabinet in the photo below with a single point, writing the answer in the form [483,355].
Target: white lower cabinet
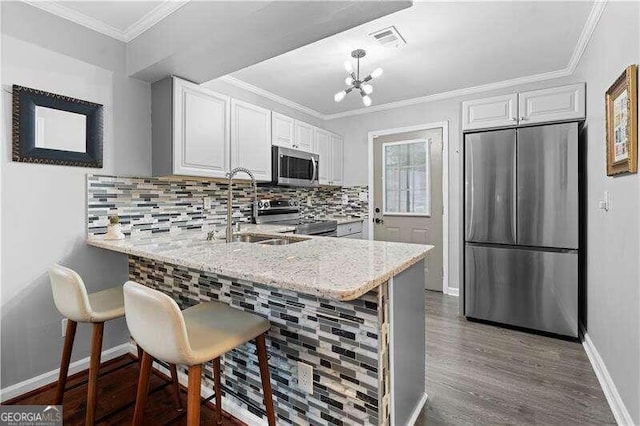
[251,139]
[350,230]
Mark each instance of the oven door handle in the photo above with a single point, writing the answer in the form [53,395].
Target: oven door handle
[315,170]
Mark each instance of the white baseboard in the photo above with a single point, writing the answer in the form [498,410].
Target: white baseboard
[616,404]
[44,379]
[453,291]
[417,410]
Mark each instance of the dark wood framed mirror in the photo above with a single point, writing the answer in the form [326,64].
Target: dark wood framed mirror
[55,129]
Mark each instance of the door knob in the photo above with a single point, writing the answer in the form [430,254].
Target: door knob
[378,220]
[377,210]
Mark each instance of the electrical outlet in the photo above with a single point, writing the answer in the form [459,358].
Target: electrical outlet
[345,199]
[305,377]
[206,203]
[309,201]
[364,197]
[64,327]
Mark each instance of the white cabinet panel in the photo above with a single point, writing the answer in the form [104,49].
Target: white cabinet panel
[201,134]
[282,130]
[337,159]
[554,104]
[323,148]
[251,139]
[349,229]
[304,134]
[497,111]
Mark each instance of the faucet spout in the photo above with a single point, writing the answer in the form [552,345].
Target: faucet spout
[230,176]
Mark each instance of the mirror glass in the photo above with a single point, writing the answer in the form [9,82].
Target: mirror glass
[62,130]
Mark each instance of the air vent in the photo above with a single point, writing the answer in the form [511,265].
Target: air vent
[388,37]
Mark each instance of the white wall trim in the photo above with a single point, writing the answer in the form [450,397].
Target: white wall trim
[453,291]
[607,384]
[587,32]
[269,95]
[52,376]
[156,15]
[444,125]
[581,45]
[418,409]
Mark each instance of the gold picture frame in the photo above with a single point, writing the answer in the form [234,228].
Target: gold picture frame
[622,123]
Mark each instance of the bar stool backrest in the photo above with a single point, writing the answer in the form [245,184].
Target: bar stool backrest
[69,293]
[156,323]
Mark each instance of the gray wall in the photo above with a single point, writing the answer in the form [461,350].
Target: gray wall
[43,207]
[613,237]
[613,290]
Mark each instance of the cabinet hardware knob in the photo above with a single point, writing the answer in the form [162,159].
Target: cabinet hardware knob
[523,118]
[514,119]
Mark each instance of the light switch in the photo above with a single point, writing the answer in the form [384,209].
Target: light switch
[604,204]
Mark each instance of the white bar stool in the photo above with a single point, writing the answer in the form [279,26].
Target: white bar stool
[72,300]
[191,337]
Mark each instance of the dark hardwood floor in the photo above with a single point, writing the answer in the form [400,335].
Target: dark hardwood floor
[484,374]
[116,397]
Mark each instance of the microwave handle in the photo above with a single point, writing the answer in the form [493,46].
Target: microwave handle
[315,170]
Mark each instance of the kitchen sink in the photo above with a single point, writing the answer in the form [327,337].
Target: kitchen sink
[250,238]
[281,241]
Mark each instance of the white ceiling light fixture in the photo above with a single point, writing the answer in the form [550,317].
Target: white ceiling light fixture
[354,82]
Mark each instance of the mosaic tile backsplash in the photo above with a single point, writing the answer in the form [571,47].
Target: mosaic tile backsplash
[173,203]
[340,339]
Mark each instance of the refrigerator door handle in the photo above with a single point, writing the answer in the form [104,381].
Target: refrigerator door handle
[514,200]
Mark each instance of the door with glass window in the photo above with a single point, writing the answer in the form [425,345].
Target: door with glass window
[408,194]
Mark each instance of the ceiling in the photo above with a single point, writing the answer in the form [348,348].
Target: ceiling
[450,46]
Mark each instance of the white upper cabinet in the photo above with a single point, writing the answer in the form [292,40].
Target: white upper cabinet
[251,138]
[323,149]
[554,104]
[497,111]
[201,134]
[537,106]
[282,130]
[304,134]
[337,158]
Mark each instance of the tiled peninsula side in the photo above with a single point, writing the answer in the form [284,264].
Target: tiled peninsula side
[343,341]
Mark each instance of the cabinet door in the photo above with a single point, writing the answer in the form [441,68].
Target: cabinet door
[323,148]
[303,136]
[498,111]
[337,155]
[251,138]
[554,104]
[282,130]
[201,135]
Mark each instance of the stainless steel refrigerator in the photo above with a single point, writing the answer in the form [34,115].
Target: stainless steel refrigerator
[522,227]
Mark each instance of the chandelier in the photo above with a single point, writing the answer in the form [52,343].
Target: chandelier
[354,82]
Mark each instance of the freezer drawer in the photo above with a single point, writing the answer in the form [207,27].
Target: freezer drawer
[490,186]
[548,186]
[527,288]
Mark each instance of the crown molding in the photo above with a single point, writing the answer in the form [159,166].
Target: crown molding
[269,95]
[150,19]
[585,36]
[587,33]
[154,16]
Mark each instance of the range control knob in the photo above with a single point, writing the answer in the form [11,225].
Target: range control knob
[260,204]
[267,204]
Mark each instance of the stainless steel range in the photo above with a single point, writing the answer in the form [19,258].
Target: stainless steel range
[287,212]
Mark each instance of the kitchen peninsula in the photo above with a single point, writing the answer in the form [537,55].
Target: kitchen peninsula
[352,309]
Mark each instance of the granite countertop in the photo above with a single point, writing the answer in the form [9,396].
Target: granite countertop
[333,268]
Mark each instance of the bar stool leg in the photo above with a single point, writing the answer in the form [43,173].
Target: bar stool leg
[176,386]
[193,395]
[261,345]
[218,389]
[70,335]
[94,367]
[143,388]
[139,355]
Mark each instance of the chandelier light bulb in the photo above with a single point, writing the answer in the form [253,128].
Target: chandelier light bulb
[377,72]
[348,81]
[367,88]
[339,96]
[366,100]
[348,66]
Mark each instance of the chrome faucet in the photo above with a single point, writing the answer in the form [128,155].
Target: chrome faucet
[230,176]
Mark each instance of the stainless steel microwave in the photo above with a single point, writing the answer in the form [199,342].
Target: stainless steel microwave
[290,167]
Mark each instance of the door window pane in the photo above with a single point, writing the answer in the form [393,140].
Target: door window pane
[406,179]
